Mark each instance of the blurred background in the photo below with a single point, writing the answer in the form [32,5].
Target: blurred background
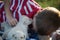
[53,3]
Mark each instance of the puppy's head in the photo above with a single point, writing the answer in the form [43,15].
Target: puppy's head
[19,35]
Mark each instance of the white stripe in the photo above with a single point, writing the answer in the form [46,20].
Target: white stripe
[32,3]
[3,15]
[16,9]
[28,5]
[12,5]
[20,16]
[14,13]
[1,5]
[20,6]
[25,9]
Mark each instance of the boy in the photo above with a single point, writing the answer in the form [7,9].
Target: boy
[46,22]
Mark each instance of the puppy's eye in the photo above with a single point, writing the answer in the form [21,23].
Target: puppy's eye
[15,37]
[21,37]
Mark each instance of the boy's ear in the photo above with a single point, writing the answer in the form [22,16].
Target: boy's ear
[59,13]
[59,19]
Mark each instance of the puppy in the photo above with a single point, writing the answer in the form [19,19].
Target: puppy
[20,30]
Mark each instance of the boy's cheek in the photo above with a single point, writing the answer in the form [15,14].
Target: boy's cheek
[34,28]
[34,24]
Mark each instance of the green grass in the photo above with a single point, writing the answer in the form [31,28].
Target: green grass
[45,3]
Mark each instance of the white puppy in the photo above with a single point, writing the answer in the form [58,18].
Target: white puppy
[20,30]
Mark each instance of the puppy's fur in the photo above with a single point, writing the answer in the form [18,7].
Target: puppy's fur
[20,30]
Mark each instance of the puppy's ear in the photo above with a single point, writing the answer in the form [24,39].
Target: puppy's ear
[26,20]
[30,20]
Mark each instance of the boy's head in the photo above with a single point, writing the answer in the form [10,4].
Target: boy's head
[47,21]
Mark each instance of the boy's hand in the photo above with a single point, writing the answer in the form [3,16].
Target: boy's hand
[12,21]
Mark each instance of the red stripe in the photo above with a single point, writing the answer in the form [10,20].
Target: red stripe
[1,13]
[15,5]
[17,16]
